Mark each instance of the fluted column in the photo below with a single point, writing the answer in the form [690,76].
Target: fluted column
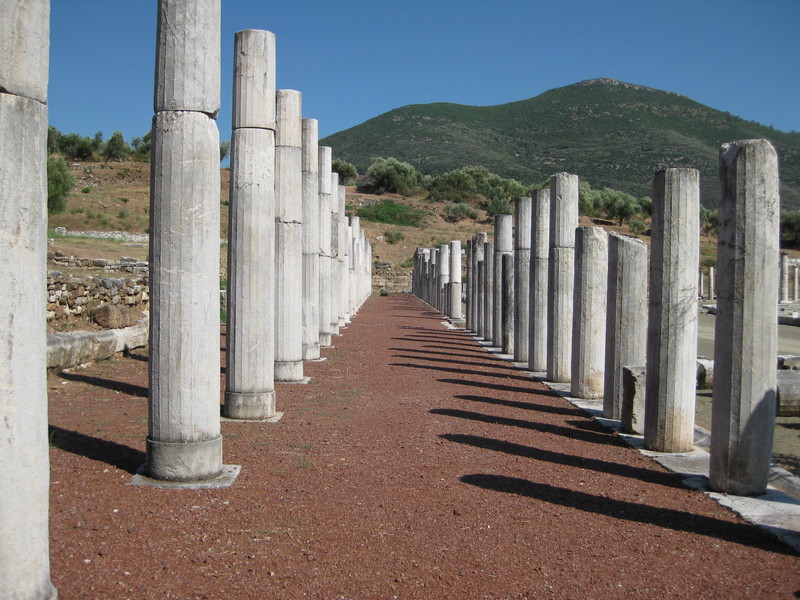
[455,280]
[539,296]
[311,246]
[503,244]
[523,213]
[325,252]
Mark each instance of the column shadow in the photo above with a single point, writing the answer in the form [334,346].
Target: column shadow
[117,455]
[545,408]
[677,520]
[118,386]
[466,371]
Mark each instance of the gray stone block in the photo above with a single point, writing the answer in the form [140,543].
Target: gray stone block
[254,79]
[24,46]
[634,388]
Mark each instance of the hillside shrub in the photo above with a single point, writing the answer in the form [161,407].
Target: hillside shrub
[498,206]
[59,183]
[470,183]
[709,220]
[637,227]
[75,147]
[457,212]
[790,228]
[393,237]
[392,213]
[393,176]
[347,171]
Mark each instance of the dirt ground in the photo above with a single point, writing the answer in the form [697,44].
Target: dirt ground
[414,465]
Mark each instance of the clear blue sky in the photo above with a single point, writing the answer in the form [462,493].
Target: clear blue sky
[356,59]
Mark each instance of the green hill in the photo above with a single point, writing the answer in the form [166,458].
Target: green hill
[611,133]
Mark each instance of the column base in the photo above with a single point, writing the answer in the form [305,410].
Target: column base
[226,478]
[249,405]
[289,371]
[184,461]
[311,352]
[324,340]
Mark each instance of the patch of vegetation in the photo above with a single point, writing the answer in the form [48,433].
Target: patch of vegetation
[59,183]
[393,237]
[347,171]
[86,190]
[389,175]
[392,213]
[459,211]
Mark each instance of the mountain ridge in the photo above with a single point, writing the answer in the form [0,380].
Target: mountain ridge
[610,132]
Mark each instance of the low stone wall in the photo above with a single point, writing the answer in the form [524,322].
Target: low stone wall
[68,295]
[384,277]
[65,350]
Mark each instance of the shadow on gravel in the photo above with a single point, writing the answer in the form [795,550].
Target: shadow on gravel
[453,361]
[466,371]
[555,410]
[117,386]
[578,434]
[678,520]
[119,456]
[464,354]
[496,386]
[569,460]
[440,342]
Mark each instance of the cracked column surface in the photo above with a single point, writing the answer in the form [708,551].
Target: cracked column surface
[289,238]
[24,458]
[250,386]
[522,277]
[455,280]
[184,441]
[561,273]
[746,334]
[311,242]
[539,295]
[503,244]
[589,312]
[672,314]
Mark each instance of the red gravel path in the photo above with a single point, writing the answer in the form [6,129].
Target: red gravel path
[414,465]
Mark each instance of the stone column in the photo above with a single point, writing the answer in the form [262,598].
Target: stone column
[344,253]
[702,286]
[746,335]
[784,268]
[455,280]
[488,292]
[468,322]
[444,275]
[712,284]
[336,281]
[522,277]
[540,260]
[672,316]
[476,285]
[325,263]
[250,348]
[626,324]
[589,312]
[310,178]
[355,260]
[184,441]
[24,457]
[507,313]
[795,282]
[481,298]
[561,275]
[289,239]
[503,244]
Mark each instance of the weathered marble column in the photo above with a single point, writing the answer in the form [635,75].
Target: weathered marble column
[479,281]
[702,285]
[626,324]
[507,306]
[503,244]
[784,268]
[539,299]
[336,281]
[310,178]
[488,292]
[250,349]
[522,277]
[289,238]
[467,288]
[746,333]
[476,286]
[561,275]
[24,457]
[455,280]
[325,263]
[672,316]
[444,276]
[712,283]
[344,253]
[184,441]
[589,312]
[795,282]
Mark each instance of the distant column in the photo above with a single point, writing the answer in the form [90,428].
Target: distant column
[310,218]
[712,284]
[503,244]
[589,312]
[540,260]
[289,238]
[702,279]
[24,457]
[344,253]
[325,253]
[561,274]
[746,334]
[784,268]
[626,324]
[336,282]
[250,348]
[488,292]
[522,277]
[476,288]
[672,316]
[467,287]
[507,313]
[455,280]
[795,282]
[184,441]
[444,275]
